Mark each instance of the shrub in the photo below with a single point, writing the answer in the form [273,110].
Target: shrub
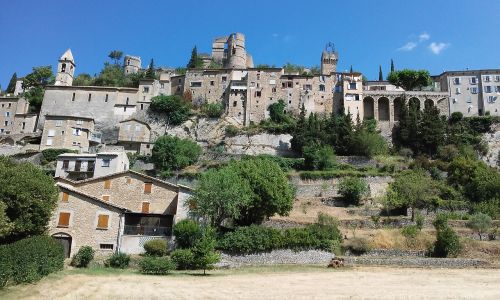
[83,257]
[183,259]
[30,259]
[318,157]
[50,155]
[251,239]
[353,189]
[357,246]
[480,223]
[118,260]
[174,106]
[156,265]
[447,243]
[410,231]
[232,130]
[173,153]
[213,110]
[419,220]
[156,247]
[186,233]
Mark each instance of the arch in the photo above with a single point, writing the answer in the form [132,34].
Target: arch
[428,103]
[63,67]
[414,102]
[398,105]
[65,240]
[368,108]
[383,109]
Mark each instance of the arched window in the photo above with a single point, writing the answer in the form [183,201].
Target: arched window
[63,68]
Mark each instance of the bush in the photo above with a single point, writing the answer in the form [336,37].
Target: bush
[186,233]
[175,107]
[156,265]
[480,223]
[232,130]
[30,259]
[183,259]
[83,257]
[410,231]
[50,155]
[213,110]
[357,246]
[353,189]
[156,247]
[318,157]
[173,153]
[118,260]
[251,239]
[447,243]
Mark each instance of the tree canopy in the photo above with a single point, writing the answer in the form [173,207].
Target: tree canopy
[116,56]
[172,153]
[195,61]
[28,197]
[34,84]
[176,109]
[12,84]
[410,79]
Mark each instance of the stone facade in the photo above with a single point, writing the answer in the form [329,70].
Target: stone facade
[68,132]
[15,117]
[133,134]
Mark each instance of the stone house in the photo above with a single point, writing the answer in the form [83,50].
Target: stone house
[81,166]
[116,212]
[135,135]
[68,132]
[15,117]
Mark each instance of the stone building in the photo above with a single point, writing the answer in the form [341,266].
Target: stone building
[15,117]
[230,51]
[117,212]
[472,92]
[81,166]
[132,64]
[69,132]
[135,135]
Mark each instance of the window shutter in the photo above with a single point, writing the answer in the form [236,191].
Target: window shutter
[102,222]
[105,198]
[145,207]
[65,197]
[147,187]
[107,184]
[63,219]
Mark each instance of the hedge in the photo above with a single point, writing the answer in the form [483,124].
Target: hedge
[255,238]
[30,259]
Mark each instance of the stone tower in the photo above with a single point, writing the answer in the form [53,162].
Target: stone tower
[65,69]
[132,64]
[236,52]
[329,59]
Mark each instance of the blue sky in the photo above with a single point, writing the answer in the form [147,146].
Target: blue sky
[436,35]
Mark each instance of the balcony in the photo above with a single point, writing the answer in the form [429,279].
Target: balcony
[147,230]
[95,137]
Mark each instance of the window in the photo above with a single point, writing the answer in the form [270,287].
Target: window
[492,99]
[487,78]
[224,78]
[145,208]
[90,97]
[352,85]
[63,219]
[51,132]
[24,125]
[137,128]
[469,100]
[145,89]
[473,80]
[456,80]
[7,113]
[142,106]
[78,165]
[102,221]
[307,87]
[63,68]
[79,122]
[273,89]
[487,89]
[49,142]
[196,84]
[457,90]
[212,83]
[258,76]
[107,184]
[77,132]
[147,187]
[65,197]
[6,123]
[65,165]
[105,198]
[322,88]
[105,162]
[106,246]
[473,90]
[106,99]
[258,93]
[497,78]
[59,123]
[73,97]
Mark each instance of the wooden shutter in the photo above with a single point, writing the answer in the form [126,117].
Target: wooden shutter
[105,198]
[145,207]
[63,219]
[147,187]
[102,221]
[65,197]
[107,184]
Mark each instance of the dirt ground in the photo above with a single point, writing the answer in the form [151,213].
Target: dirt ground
[296,283]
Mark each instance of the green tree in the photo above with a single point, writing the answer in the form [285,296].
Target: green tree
[412,188]
[111,75]
[195,61]
[480,223]
[353,189]
[380,75]
[29,196]
[277,111]
[204,254]
[318,157]
[5,224]
[447,242]
[83,79]
[186,233]
[410,79]
[34,84]
[116,56]
[431,130]
[172,153]
[150,72]
[12,84]
[176,109]
[392,66]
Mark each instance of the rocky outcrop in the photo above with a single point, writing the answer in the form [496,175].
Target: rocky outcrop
[492,138]
[263,143]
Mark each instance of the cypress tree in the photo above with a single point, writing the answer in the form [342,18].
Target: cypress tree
[380,76]
[194,58]
[350,70]
[392,65]
[150,73]
[12,84]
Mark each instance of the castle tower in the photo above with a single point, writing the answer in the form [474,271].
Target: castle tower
[329,59]
[236,52]
[65,69]
[132,64]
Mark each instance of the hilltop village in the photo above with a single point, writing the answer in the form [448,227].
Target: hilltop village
[256,150]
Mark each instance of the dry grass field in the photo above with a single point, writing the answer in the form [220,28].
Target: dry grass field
[280,282]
